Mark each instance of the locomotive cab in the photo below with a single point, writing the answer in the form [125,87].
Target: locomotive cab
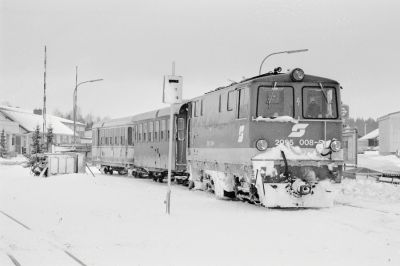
[296,130]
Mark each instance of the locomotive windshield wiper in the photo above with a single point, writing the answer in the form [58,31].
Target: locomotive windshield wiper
[323,92]
[269,99]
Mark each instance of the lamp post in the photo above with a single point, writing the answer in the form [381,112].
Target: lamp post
[283,52]
[76,98]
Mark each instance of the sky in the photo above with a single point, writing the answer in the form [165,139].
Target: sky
[132,44]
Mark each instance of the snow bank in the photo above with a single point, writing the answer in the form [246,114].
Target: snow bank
[291,153]
[19,159]
[380,163]
[282,119]
[369,189]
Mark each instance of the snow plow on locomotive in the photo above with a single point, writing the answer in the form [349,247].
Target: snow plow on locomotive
[274,140]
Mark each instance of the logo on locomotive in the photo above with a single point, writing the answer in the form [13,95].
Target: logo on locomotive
[298,130]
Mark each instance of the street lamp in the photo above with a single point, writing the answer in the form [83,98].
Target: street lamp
[76,98]
[283,52]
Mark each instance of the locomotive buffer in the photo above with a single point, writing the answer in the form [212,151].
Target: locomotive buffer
[172,94]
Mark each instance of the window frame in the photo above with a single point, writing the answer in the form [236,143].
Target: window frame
[318,87]
[271,86]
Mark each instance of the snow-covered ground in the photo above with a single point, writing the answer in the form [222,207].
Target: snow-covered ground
[118,220]
[372,160]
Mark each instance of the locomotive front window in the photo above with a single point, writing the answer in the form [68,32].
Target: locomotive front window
[275,101]
[319,103]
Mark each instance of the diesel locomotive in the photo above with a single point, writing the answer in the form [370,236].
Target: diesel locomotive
[273,139]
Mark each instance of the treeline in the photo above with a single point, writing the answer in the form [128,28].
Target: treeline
[88,119]
[364,126]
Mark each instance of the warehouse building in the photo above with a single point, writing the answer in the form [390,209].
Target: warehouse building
[389,134]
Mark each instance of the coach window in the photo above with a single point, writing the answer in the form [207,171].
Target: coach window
[123,136]
[150,131]
[135,133]
[145,132]
[181,127]
[129,135]
[220,103]
[162,130]
[230,101]
[140,137]
[243,104]
[167,134]
[319,102]
[156,130]
[201,107]
[196,109]
[275,101]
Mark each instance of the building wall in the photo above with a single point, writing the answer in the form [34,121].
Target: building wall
[389,131]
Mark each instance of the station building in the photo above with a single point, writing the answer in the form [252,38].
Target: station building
[389,133]
[19,124]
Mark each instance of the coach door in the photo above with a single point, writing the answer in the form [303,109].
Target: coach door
[181,137]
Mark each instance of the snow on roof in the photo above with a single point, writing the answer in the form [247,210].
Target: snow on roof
[371,135]
[28,120]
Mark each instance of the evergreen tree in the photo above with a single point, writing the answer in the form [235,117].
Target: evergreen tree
[49,137]
[36,146]
[3,147]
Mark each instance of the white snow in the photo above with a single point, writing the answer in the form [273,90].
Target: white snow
[382,163]
[282,119]
[19,159]
[117,220]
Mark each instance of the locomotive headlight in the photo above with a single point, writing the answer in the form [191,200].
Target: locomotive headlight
[261,144]
[335,145]
[297,74]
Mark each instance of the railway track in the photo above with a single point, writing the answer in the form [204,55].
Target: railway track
[14,259]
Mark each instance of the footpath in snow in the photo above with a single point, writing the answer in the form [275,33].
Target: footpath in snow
[118,220]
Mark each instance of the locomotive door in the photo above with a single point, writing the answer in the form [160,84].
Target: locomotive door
[181,140]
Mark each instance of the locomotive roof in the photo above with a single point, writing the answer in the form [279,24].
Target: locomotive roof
[143,116]
[280,77]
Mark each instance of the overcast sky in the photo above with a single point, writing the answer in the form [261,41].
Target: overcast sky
[131,45]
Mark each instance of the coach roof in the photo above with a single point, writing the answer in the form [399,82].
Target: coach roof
[139,117]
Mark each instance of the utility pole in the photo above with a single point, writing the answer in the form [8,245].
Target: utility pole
[44,96]
[75,98]
[172,94]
